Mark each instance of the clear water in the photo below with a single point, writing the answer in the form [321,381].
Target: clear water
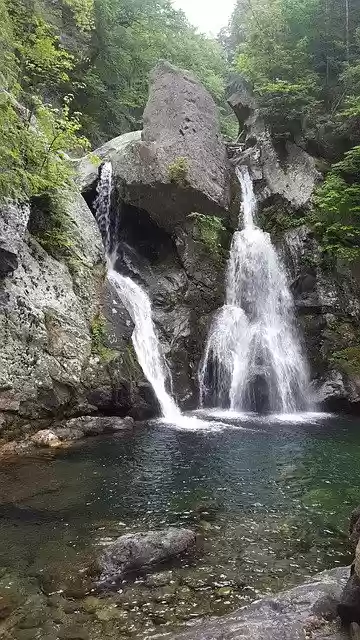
[269,497]
[253,357]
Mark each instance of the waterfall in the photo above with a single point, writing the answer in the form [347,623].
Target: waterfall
[253,358]
[137,303]
[102,205]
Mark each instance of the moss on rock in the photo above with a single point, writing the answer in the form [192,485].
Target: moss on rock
[348,360]
[178,171]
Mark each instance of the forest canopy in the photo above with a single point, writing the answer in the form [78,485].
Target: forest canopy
[302,58]
[77,70]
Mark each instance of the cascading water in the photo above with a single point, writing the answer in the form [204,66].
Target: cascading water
[253,358]
[137,303]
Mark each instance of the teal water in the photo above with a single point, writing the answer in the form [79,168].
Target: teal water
[270,499]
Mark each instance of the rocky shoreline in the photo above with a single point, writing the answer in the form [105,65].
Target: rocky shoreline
[64,434]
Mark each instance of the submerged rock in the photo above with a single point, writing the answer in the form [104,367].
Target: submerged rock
[135,551]
[77,428]
[291,615]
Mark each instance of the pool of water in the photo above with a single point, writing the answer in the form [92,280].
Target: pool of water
[269,497]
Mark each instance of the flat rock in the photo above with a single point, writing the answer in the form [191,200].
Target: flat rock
[135,551]
[77,428]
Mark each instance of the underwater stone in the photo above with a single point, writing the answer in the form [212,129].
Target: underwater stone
[135,551]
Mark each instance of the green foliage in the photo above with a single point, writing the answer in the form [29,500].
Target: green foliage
[83,12]
[178,172]
[211,232]
[34,136]
[128,39]
[32,148]
[275,219]
[287,107]
[336,214]
[98,339]
[302,57]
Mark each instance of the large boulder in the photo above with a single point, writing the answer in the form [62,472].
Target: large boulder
[305,611]
[180,164]
[87,167]
[135,551]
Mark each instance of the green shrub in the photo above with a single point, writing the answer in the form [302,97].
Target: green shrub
[336,214]
[211,232]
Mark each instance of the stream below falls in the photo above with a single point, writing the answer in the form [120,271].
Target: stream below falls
[269,497]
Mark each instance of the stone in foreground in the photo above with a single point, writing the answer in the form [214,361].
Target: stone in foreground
[308,611]
[135,551]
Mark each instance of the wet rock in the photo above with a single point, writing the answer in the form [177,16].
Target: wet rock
[46,438]
[159,579]
[291,176]
[326,607]
[354,631]
[135,551]
[354,526]
[72,580]
[286,616]
[77,428]
[327,302]
[8,603]
[73,632]
[91,604]
[349,606]
[15,448]
[44,325]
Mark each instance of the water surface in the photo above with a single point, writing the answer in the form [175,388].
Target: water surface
[270,499]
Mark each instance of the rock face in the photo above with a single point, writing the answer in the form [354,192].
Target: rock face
[305,611]
[13,223]
[135,551]
[50,362]
[328,304]
[288,174]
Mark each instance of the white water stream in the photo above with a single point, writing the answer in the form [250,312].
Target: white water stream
[138,305]
[253,358]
